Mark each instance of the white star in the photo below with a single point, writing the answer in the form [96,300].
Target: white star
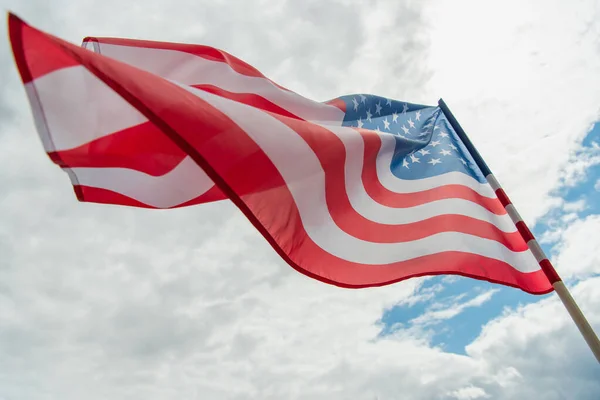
[386,124]
[411,123]
[377,130]
[388,102]
[428,125]
[360,123]
[423,134]
[363,98]
[405,129]
[404,108]
[405,163]
[394,117]
[369,115]
[378,108]
[424,152]
[418,116]
[443,134]
[436,127]
[414,158]
[463,161]
[355,102]
[445,152]
[453,147]
[434,161]
[435,143]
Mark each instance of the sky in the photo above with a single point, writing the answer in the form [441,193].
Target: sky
[104,302]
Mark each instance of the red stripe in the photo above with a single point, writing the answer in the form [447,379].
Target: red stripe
[212,194]
[524,231]
[102,196]
[142,147]
[339,103]
[386,197]
[91,194]
[504,200]
[250,99]
[200,130]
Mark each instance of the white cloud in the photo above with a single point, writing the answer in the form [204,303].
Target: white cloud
[577,252]
[555,224]
[106,302]
[438,313]
[469,393]
[580,163]
[541,350]
[574,206]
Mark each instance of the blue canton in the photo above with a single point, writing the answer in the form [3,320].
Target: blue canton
[426,143]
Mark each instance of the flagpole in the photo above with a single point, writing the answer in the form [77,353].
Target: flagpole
[561,290]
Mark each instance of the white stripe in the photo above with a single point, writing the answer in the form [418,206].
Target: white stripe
[183,183]
[77,108]
[188,69]
[38,117]
[395,184]
[305,178]
[364,204]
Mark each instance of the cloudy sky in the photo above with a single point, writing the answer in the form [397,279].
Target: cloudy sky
[102,302]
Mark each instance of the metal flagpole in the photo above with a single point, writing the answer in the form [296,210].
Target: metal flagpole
[563,293]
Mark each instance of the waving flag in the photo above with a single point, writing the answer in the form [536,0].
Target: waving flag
[358,191]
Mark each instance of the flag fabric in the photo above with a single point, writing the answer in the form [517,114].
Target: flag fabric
[357,191]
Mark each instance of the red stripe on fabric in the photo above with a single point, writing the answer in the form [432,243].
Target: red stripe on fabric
[206,135]
[212,194]
[339,103]
[504,200]
[524,231]
[90,194]
[207,52]
[142,147]
[250,99]
[388,198]
[31,62]
[549,271]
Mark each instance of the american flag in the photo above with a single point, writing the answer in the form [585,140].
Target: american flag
[358,191]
